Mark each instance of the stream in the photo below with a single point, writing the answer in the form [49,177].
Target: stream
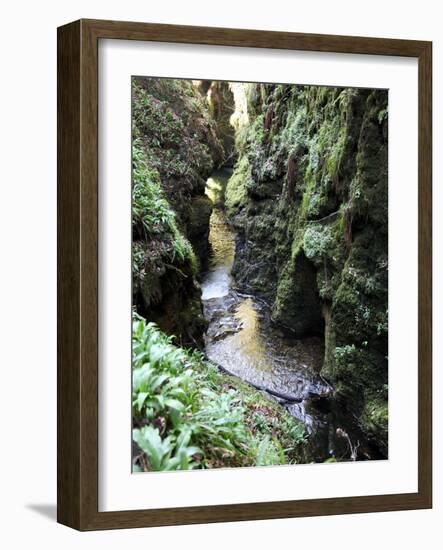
[242,339]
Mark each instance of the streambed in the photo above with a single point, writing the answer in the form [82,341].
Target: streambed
[242,339]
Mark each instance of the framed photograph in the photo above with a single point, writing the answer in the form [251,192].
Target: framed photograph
[244,274]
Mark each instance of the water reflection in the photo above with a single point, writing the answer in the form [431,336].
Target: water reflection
[240,335]
[242,339]
[217,281]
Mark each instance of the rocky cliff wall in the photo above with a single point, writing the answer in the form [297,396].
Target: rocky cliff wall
[175,149]
[309,198]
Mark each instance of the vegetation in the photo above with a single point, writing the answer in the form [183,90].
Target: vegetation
[236,188]
[152,215]
[175,148]
[308,200]
[188,415]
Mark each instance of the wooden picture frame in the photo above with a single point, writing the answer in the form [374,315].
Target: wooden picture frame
[77,458]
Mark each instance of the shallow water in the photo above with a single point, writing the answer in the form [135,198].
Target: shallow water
[218,280]
[242,339]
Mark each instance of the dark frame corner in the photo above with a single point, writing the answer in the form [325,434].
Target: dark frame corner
[77,318]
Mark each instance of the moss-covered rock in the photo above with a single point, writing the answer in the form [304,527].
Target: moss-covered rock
[198,226]
[235,194]
[374,420]
[309,198]
[175,149]
[297,305]
[221,108]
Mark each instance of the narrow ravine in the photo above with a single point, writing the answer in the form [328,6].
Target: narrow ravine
[242,339]
[272,277]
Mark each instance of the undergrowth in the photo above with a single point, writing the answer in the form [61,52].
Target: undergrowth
[187,415]
[152,214]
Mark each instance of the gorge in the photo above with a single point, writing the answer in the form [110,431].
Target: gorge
[260,238]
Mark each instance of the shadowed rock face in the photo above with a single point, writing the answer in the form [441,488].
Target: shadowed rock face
[302,310]
[221,104]
[178,143]
[198,227]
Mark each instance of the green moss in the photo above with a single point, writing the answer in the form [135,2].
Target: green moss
[175,148]
[318,241]
[297,305]
[375,419]
[293,136]
[308,204]
[171,119]
[235,193]
[314,214]
[330,343]
[336,152]
[285,291]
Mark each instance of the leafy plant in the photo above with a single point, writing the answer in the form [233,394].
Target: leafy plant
[183,420]
[317,242]
[151,212]
[169,453]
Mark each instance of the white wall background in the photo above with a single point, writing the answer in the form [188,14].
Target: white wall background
[28,270]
